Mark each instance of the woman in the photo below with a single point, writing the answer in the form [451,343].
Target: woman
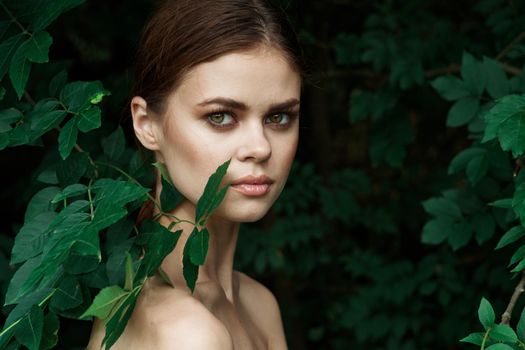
[216,80]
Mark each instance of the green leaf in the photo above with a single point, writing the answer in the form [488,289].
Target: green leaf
[451,88]
[208,199]
[119,318]
[67,138]
[442,207]
[189,269]
[29,330]
[37,47]
[199,246]
[163,172]
[43,121]
[158,242]
[104,302]
[462,112]
[70,191]
[511,236]
[499,346]
[57,83]
[30,239]
[503,332]
[518,255]
[484,226]
[113,145]
[90,119]
[70,170]
[506,121]
[472,74]
[473,338]
[518,202]
[170,198]
[77,95]
[486,313]
[49,10]
[130,273]
[8,48]
[41,202]
[19,70]
[436,231]
[520,327]
[67,295]
[505,203]
[10,115]
[50,331]
[460,161]
[497,83]
[477,168]
[2,93]
[19,278]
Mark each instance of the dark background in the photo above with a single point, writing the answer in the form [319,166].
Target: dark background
[342,248]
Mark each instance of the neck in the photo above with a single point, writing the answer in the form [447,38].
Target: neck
[218,267]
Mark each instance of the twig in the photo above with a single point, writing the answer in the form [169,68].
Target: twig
[509,47]
[505,317]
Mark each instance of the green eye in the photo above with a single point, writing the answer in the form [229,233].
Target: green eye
[221,119]
[216,118]
[279,118]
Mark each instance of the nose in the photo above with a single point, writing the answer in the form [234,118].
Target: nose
[255,145]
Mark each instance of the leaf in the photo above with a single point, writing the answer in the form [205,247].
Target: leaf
[57,83]
[19,71]
[460,161]
[8,48]
[497,83]
[189,269]
[210,191]
[67,138]
[484,226]
[130,273]
[10,115]
[41,202]
[104,302]
[70,170]
[450,88]
[50,331]
[77,95]
[36,48]
[70,191]
[19,278]
[67,295]
[435,231]
[473,338]
[462,112]
[511,236]
[43,121]
[486,313]
[503,332]
[49,10]
[113,145]
[442,207]
[2,93]
[119,318]
[170,198]
[499,346]
[506,121]
[472,74]
[163,172]
[199,246]
[520,327]
[29,330]
[158,242]
[90,119]
[30,240]
[518,202]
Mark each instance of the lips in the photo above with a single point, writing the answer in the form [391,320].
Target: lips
[253,186]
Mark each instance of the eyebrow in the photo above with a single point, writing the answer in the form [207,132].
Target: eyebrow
[231,103]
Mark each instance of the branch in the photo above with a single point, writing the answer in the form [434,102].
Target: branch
[510,46]
[505,317]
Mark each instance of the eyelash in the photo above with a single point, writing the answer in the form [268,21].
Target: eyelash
[291,116]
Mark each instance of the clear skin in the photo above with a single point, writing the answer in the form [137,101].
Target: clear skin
[228,310]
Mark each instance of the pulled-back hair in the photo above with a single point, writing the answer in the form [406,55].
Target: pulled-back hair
[185,33]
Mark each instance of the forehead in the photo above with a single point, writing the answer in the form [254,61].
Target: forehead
[255,77]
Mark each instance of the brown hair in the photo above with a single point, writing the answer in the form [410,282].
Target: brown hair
[185,33]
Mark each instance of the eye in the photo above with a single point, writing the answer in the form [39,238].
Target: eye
[221,119]
[280,119]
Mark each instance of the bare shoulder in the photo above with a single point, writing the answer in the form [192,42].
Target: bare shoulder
[262,304]
[170,319]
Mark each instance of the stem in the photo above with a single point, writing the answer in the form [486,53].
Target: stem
[509,47]
[90,199]
[505,317]
[485,337]
[13,18]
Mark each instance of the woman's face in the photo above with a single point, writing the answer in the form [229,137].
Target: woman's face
[244,107]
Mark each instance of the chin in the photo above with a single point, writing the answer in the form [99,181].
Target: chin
[242,215]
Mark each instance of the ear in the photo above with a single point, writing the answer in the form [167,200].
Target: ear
[144,123]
